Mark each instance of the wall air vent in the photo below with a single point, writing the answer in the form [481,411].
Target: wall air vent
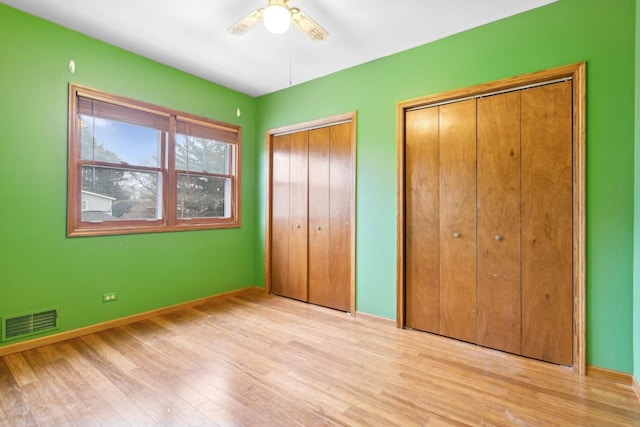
[14,327]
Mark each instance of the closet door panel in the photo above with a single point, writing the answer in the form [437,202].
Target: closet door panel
[280,219]
[340,196]
[422,241]
[319,204]
[458,220]
[298,209]
[499,281]
[547,249]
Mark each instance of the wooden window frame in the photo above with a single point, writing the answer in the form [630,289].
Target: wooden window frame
[170,121]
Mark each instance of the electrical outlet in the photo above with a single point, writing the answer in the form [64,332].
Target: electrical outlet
[111,296]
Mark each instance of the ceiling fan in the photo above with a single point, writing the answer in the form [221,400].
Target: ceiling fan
[277,16]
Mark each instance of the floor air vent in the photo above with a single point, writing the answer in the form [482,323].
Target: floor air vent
[29,324]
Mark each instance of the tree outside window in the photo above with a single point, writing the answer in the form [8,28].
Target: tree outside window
[135,167]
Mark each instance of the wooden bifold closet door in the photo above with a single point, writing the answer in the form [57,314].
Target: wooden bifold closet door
[311,199]
[289,216]
[498,209]
[547,223]
[488,220]
[441,220]
[458,220]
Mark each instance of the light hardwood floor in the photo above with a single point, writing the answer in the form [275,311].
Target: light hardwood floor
[260,360]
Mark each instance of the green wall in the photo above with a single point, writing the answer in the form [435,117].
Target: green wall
[636,281]
[39,266]
[569,31]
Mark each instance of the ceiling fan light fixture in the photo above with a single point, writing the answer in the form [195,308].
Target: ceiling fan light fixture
[277,19]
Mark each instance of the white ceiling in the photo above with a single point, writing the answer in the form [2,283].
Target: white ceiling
[191,35]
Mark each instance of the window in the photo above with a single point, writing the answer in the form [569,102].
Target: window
[137,168]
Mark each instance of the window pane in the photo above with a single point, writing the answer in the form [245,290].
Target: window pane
[201,155]
[202,196]
[121,151]
[110,194]
[105,140]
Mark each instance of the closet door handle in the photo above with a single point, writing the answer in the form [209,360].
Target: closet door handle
[298,226]
[456,235]
[318,228]
[498,238]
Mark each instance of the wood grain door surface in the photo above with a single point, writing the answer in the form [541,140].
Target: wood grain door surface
[290,216]
[280,217]
[319,217]
[422,220]
[312,193]
[499,282]
[489,221]
[547,227]
[458,220]
[341,195]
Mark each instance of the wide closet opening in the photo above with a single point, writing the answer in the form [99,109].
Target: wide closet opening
[310,227]
[491,215]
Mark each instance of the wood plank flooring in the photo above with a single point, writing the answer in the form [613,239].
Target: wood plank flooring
[260,360]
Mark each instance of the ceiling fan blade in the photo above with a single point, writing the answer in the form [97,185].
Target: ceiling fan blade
[246,23]
[308,25]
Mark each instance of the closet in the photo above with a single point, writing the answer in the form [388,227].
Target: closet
[311,215]
[488,220]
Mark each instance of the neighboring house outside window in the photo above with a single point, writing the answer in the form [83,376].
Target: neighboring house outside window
[136,168]
[93,202]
